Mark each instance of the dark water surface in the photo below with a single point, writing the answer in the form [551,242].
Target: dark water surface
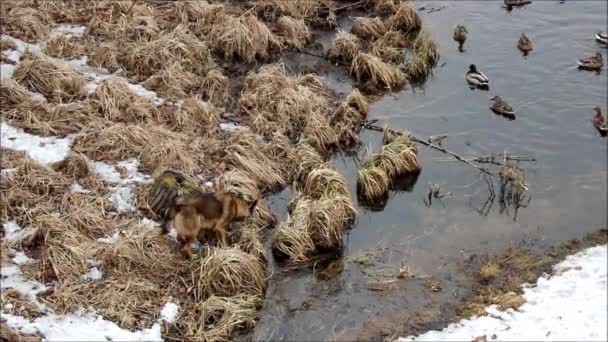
[567,183]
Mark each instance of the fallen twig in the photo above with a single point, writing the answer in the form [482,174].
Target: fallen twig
[372,127]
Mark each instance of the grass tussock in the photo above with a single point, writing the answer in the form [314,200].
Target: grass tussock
[50,78]
[7,44]
[105,55]
[12,94]
[218,318]
[368,28]
[293,32]
[245,153]
[60,46]
[275,102]
[386,8]
[214,87]
[27,24]
[425,56]
[390,47]
[372,70]
[396,159]
[156,147]
[193,115]
[305,159]
[20,305]
[348,116]
[144,59]
[114,101]
[317,12]
[405,18]
[345,47]
[292,239]
[325,182]
[228,272]
[245,38]
[489,270]
[250,239]
[173,82]
[30,188]
[48,119]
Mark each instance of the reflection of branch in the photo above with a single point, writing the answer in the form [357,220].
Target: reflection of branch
[495,159]
[370,126]
[487,205]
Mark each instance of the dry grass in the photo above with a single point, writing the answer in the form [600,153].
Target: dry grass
[26,24]
[275,102]
[50,78]
[21,306]
[348,116]
[60,46]
[105,55]
[325,182]
[368,28]
[250,240]
[156,147]
[218,318]
[292,239]
[245,153]
[271,10]
[405,18]
[47,119]
[345,47]
[115,101]
[214,87]
[7,44]
[488,270]
[386,8]
[330,217]
[373,183]
[305,159]
[245,38]
[144,59]
[193,116]
[173,82]
[425,56]
[12,94]
[227,272]
[371,70]
[390,47]
[293,32]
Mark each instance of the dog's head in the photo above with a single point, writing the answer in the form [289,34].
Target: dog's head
[242,209]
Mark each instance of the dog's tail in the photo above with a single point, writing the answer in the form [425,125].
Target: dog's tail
[252,206]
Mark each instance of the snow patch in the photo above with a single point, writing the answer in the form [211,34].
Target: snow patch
[110,240]
[169,312]
[570,306]
[44,150]
[93,274]
[14,233]
[20,259]
[77,188]
[230,127]
[139,90]
[122,196]
[69,30]
[13,279]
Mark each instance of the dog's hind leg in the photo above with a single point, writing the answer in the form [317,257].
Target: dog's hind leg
[220,233]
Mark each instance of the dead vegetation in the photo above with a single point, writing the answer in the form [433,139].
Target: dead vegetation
[345,47]
[372,71]
[26,24]
[193,116]
[8,334]
[368,28]
[173,82]
[114,101]
[50,78]
[293,32]
[214,87]
[60,46]
[425,56]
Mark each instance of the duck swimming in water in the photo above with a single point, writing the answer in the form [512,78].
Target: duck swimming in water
[602,37]
[476,78]
[460,35]
[501,107]
[524,44]
[600,122]
[595,62]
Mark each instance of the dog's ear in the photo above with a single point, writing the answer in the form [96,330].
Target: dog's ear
[252,206]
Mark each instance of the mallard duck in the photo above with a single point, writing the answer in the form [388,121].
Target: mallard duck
[600,122]
[591,63]
[501,107]
[477,78]
[602,37]
[517,3]
[524,44]
[460,35]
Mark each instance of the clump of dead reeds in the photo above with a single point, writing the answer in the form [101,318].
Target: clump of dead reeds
[396,159]
[228,272]
[368,28]
[275,102]
[105,55]
[136,28]
[390,47]
[156,147]
[371,70]
[27,24]
[60,46]
[193,115]
[246,154]
[305,159]
[386,8]
[325,182]
[144,59]
[425,56]
[405,18]
[243,37]
[214,87]
[293,32]
[19,304]
[12,94]
[318,131]
[250,240]
[115,101]
[292,239]
[218,318]
[7,44]
[348,116]
[50,119]
[489,270]
[52,79]
[173,82]
[345,47]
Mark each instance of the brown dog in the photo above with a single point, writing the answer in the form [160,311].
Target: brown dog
[196,215]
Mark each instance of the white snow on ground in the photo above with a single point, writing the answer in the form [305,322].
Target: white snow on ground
[122,196]
[230,127]
[42,149]
[77,188]
[139,90]
[93,274]
[69,30]
[13,279]
[569,306]
[14,233]
[169,312]
[20,259]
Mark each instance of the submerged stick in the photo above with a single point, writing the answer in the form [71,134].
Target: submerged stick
[372,127]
